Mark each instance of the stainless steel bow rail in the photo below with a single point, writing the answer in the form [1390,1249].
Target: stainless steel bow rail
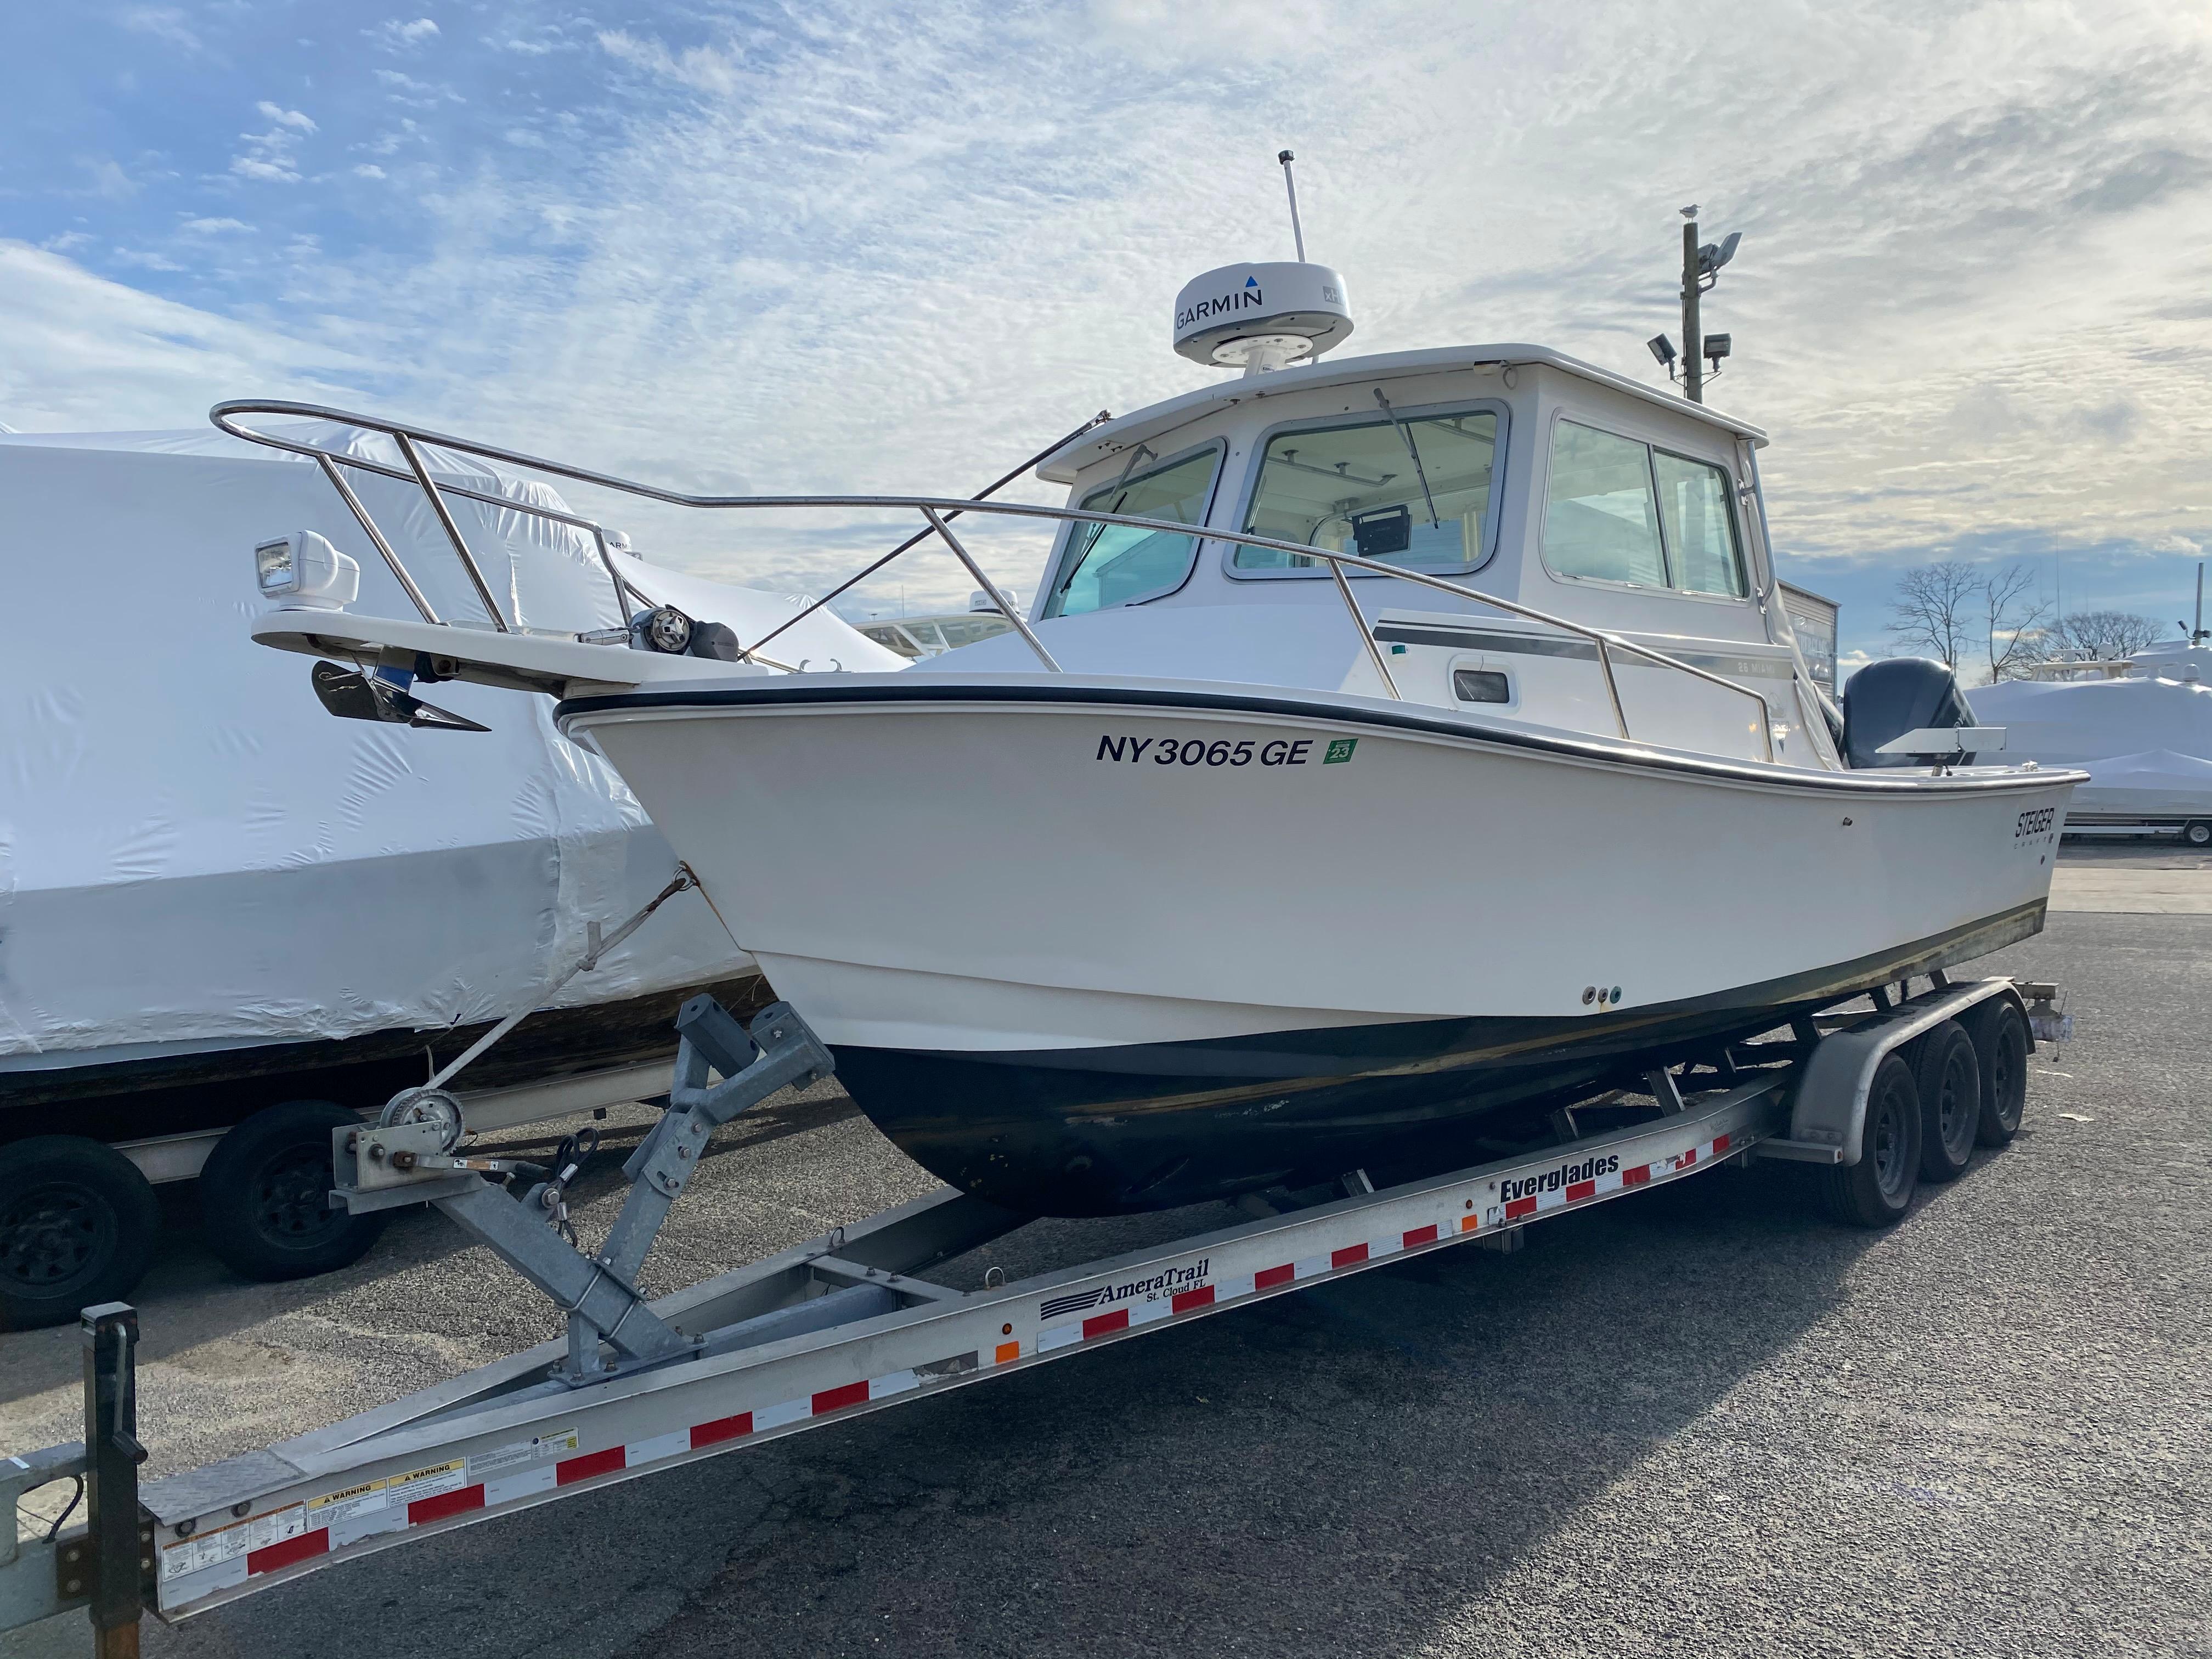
[839,1326]
[937,512]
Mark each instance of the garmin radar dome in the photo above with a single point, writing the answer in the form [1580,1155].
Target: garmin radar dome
[1262,317]
[1258,317]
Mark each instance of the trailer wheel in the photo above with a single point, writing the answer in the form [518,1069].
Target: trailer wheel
[1875,1191]
[2198,833]
[1950,1084]
[2000,1035]
[264,1195]
[78,1223]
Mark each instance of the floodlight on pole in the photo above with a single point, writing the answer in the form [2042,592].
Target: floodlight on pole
[1701,266]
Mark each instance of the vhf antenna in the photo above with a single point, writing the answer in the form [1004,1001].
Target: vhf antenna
[1291,184]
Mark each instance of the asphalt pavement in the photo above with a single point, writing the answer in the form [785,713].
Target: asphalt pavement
[1702,1421]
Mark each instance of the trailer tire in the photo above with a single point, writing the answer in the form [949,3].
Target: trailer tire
[264,1195]
[2198,833]
[1877,1190]
[1949,1078]
[78,1223]
[2000,1033]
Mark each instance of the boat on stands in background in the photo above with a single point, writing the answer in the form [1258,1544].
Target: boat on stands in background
[227,924]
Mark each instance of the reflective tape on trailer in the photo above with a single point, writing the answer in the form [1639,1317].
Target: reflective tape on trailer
[213,1560]
[222,1558]
[1228,1288]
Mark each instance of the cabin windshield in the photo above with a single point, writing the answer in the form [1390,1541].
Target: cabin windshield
[1111,564]
[1414,492]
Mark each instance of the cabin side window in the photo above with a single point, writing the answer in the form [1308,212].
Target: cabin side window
[1410,491]
[1109,564]
[1617,510]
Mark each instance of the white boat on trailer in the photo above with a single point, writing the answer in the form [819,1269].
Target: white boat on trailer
[1284,882]
[1398,750]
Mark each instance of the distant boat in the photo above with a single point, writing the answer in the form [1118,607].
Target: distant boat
[916,637]
[2141,726]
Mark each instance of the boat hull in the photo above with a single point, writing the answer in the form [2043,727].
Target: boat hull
[1073,978]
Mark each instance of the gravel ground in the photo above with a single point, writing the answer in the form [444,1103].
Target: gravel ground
[1699,1421]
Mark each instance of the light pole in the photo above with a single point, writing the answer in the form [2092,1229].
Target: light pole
[1701,266]
[1694,374]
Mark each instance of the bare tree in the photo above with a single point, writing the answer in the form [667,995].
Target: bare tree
[2012,611]
[1934,609]
[2104,635]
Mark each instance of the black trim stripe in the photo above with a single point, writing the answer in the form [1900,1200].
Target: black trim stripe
[819,690]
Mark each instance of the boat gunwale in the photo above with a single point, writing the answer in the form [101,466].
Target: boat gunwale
[787,693]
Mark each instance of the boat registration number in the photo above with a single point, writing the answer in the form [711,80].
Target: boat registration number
[1222,751]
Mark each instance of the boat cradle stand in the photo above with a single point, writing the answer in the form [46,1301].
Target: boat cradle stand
[826,1330]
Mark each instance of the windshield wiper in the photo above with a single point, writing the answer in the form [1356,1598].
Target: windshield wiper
[1407,433]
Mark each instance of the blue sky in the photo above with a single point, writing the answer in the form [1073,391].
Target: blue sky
[845,245]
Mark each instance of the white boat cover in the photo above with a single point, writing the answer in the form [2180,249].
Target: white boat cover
[2157,784]
[194,855]
[2145,742]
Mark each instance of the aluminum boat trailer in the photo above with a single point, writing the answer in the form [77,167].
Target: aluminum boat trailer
[844,1324]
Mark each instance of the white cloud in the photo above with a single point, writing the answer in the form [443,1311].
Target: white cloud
[253,166]
[143,260]
[213,226]
[285,118]
[396,36]
[370,170]
[85,353]
[273,156]
[163,23]
[109,181]
[702,69]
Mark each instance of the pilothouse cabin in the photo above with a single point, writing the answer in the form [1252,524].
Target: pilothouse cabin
[1510,469]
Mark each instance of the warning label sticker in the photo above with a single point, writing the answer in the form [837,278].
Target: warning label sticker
[560,1442]
[218,1545]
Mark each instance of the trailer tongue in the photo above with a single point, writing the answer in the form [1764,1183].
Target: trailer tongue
[847,1323]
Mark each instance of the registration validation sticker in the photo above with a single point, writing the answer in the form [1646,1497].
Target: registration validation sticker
[1339,749]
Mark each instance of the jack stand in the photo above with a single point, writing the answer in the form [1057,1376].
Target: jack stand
[406,1163]
[121,1552]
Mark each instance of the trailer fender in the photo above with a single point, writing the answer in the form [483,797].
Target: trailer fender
[1827,1106]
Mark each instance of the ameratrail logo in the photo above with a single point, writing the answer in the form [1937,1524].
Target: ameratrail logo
[1171,1281]
[1566,1176]
[1237,299]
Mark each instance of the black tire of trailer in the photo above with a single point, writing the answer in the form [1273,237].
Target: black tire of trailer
[1947,1073]
[2001,1046]
[78,1224]
[2198,833]
[264,1195]
[1877,1190]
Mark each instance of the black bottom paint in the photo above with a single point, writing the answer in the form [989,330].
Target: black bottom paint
[1107,1130]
